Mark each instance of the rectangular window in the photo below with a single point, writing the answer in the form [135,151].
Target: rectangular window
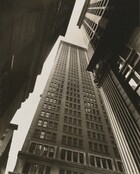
[42,134]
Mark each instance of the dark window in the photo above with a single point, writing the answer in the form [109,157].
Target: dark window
[98,162]
[69,155]
[75,156]
[32,147]
[109,164]
[63,154]
[92,162]
[81,158]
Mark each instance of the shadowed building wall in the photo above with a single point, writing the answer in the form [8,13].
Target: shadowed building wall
[112,29]
[28,31]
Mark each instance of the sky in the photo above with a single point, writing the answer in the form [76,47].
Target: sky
[24,115]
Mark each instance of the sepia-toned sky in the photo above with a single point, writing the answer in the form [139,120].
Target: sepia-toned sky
[24,115]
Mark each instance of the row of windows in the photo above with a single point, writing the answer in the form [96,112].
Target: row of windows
[90,104]
[95,161]
[72,141]
[96,126]
[51,107]
[97,12]
[57,89]
[52,100]
[90,99]
[50,115]
[91,91]
[72,120]
[95,135]
[73,85]
[41,149]
[100,3]
[72,156]
[47,135]
[72,105]
[87,86]
[89,32]
[73,89]
[73,94]
[91,23]
[54,85]
[92,111]
[72,75]
[90,95]
[55,94]
[93,118]
[72,130]
[59,81]
[75,100]
[35,168]
[58,76]
[100,162]
[72,112]
[98,147]
[105,163]
[64,171]
[47,124]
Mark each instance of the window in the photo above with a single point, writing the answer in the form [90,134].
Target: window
[51,152]
[101,162]
[45,150]
[109,164]
[45,123]
[42,134]
[39,122]
[41,149]
[69,155]
[63,154]
[104,163]
[81,158]
[38,150]
[42,113]
[47,114]
[45,106]
[73,156]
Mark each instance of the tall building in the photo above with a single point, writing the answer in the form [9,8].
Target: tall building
[70,132]
[112,30]
[28,30]
[5,143]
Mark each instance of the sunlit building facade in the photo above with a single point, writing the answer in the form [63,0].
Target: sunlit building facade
[70,132]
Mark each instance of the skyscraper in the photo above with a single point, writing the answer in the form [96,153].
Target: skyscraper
[28,30]
[70,132]
[112,30]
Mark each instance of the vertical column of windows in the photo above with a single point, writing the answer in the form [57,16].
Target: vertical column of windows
[92,29]
[95,130]
[98,7]
[72,130]
[47,124]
